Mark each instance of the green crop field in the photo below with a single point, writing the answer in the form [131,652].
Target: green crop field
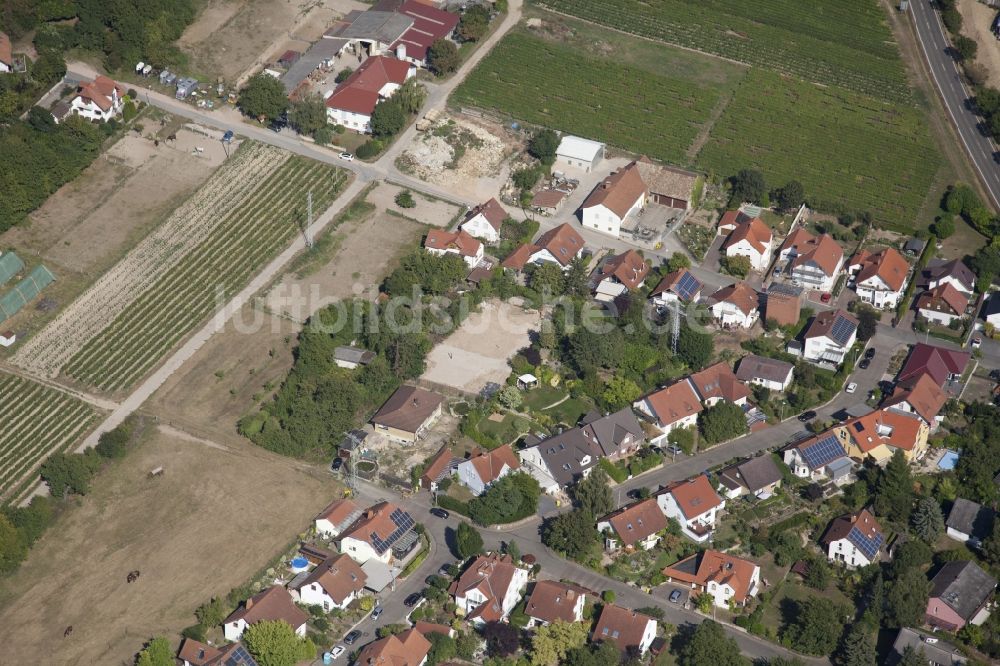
[251,232]
[844,43]
[547,83]
[851,152]
[37,421]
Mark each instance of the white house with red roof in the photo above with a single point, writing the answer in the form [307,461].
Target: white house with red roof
[484,221]
[333,584]
[630,631]
[558,246]
[635,527]
[728,579]
[694,504]
[381,532]
[100,99]
[337,517]
[429,25]
[750,238]
[354,100]
[487,467]
[489,589]
[879,277]
[737,305]
[6,54]
[274,603]
[441,242]
[671,407]
[854,540]
[621,194]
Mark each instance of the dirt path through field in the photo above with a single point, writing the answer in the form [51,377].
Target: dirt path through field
[976,21]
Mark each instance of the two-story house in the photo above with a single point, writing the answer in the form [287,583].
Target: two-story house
[353,101]
[552,601]
[829,337]
[730,580]
[750,238]
[880,433]
[384,532]
[440,243]
[880,277]
[821,456]
[558,246]
[485,467]
[560,460]
[679,286]
[735,306]
[333,584]
[489,588]
[718,383]
[100,99]
[922,397]
[485,221]
[812,262]
[633,527]
[759,477]
[694,504]
[615,436]
[274,603]
[960,594]
[621,194]
[337,517]
[854,540]
[630,631]
[621,274]
[669,408]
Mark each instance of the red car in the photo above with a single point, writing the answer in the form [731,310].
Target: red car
[825,297]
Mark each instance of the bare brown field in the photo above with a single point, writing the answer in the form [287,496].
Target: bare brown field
[215,518]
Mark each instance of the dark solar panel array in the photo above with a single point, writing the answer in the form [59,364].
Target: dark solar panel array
[822,452]
[402,521]
[867,545]
[240,657]
[842,329]
[687,286]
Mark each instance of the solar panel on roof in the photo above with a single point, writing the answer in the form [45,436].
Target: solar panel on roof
[240,657]
[868,545]
[842,329]
[822,452]
[687,286]
[403,523]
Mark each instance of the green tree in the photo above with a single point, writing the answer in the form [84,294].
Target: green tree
[816,627]
[818,574]
[343,74]
[574,534]
[547,278]
[547,337]
[912,657]
[620,392]
[791,196]
[965,47]
[943,227]
[910,555]
[906,599]
[682,438]
[867,323]
[722,421]
[274,643]
[112,444]
[308,114]
[709,645]
[693,348]
[576,278]
[156,653]
[748,186]
[593,495]
[31,521]
[467,644]
[592,349]
[927,520]
[677,261]
[69,472]
[857,648]
[13,548]
[737,265]
[550,643]
[991,545]
[468,541]
[894,490]
[388,118]
[443,648]
[510,499]
[263,97]
[543,145]
[474,23]
[509,397]
[212,613]
[405,199]
[442,57]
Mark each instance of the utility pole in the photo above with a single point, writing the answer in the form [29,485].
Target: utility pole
[309,220]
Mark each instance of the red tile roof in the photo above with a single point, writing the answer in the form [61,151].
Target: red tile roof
[628,268]
[944,298]
[619,191]
[719,381]
[359,93]
[551,600]
[672,403]
[339,576]
[375,522]
[338,511]
[490,464]
[694,496]
[438,464]
[637,521]
[622,626]
[491,575]
[408,409]
[274,603]
[100,91]
[409,648]
[821,250]
[884,426]
[671,280]
[938,362]
[888,265]
[6,54]
[196,653]
[492,211]
[429,25]
[740,294]
[460,241]
[923,395]
[563,243]
[713,566]
[754,231]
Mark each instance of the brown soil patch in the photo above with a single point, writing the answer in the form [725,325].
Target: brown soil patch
[213,520]
[976,21]
[428,210]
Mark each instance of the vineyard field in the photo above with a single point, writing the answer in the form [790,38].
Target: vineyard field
[846,43]
[851,152]
[250,231]
[37,421]
[554,85]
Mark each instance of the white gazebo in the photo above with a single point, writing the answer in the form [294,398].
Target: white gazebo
[527,381]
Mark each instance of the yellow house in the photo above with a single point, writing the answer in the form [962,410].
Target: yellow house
[406,414]
[879,434]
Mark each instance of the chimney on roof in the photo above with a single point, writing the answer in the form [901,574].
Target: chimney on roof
[249,603]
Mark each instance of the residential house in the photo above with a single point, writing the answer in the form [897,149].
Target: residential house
[759,477]
[818,457]
[100,99]
[959,595]
[384,532]
[441,466]
[441,243]
[621,274]
[943,365]
[337,517]
[718,383]
[6,54]
[558,246]
[273,603]
[195,653]
[631,631]
[770,373]
[728,579]
[615,436]
[735,305]
[426,628]
[942,304]
[668,186]
[489,588]
[485,467]
[953,272]
[333,584]
[560,460]
[783,304]
[408,648]
[934,650]
[578,153]
[970,522]
[880,277]
[408,413]
[855,540]
[751,238]
[430,24]
[922,397]
[671,407]
[880,433]
[694,504]
[621,194]
[548,200]
[633,527]
[829,337]
[677,286]
[354,100]
[484,221]
[552,601]
[351,357]
[812,262]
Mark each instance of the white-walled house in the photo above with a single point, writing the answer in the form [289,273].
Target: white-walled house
[353,101]
[440,243]
[489,589]
[942,304]
[486,467]
[381,529]
[578,153]
[735,306]
[822,456]
[485,221]
[333,584]
[728,579]
[6,54]
[621,194]
[671,407]
[750,238]
[953,272]
[100,99]
[679,286]
[830,336]
[635,527]
[854,540]
[812,262]
[337,517]
[771,373]
[552,601]
[631,631]
[558,246]
[274,603]
[694,504]
[880,277]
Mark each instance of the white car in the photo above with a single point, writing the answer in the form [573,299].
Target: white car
[977,343]
[852,387]
[347,157]
[337,651]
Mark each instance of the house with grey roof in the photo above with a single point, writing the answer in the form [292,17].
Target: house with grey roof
[758,476]
[352,357]
[970,522]
[959,595]
[931,649]
[560,460]
[617,435]
[770,373]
